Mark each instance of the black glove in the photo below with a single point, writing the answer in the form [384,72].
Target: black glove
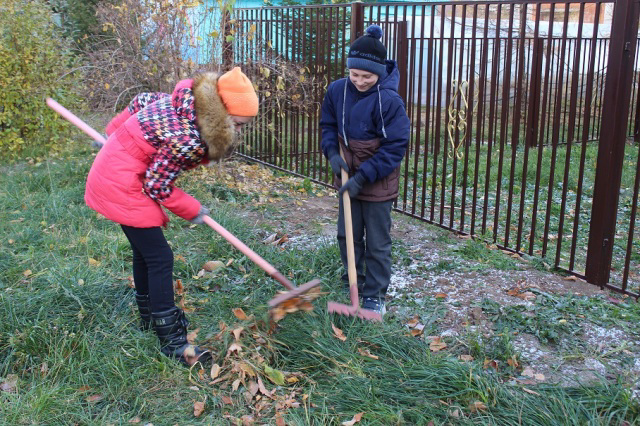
[201,214]
[353,185]
[337,163]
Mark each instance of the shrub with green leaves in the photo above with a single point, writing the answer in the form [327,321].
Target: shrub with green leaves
[35,62]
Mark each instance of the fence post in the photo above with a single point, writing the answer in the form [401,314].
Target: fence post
[357,20]
[402,56]
[613,132]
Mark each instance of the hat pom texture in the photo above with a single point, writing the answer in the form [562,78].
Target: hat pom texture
[374,31]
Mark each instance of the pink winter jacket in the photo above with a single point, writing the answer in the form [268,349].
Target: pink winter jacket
[133,175]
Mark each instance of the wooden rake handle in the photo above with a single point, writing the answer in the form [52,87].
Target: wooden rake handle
[348,230]
[255,257]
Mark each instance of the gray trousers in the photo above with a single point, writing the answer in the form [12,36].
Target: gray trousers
[372,243]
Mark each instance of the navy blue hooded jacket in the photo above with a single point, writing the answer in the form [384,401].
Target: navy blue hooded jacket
[378,113]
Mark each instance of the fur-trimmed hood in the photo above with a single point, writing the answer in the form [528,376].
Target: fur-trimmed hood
[213,121]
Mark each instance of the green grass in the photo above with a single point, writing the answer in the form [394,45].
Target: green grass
[68,329]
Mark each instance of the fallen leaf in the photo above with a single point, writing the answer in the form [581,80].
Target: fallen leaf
[466,358]
[227,400]
[9,384]
[539,376]
[365,352]
[234,347]
[528,372]
[280,420]
[437,345]
[270,239]
[490,363]
[212,265]
[135,420]
[178,287]
[94,398]
[93,262]
[571,278]
[253,388]
[247,420]
[237,331]
[530,391]
[83,388]
[236,384]
[198,408]
[192,335]
[239,313]
[413,321]
[513,362]
[276,376]
[338,333]
[27,273]
[417,330]
[353,421]
[441,296]
[476,406]
[215,371]
[282,240]
[262,388]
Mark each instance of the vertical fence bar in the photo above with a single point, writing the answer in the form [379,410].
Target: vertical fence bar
[555,131]
[612,139]
[571,133]
[515,127]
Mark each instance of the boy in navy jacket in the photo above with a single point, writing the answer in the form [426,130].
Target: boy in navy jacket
[365,116]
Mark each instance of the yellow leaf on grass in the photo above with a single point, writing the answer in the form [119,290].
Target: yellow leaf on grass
[276,376]
[215,371]
[198,408]
[338,333]
[353,421]
[212,265]
[239,313]
[93,262]
[476,406]
[465,358]
[27,273]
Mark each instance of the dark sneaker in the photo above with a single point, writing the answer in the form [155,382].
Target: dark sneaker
[374,304]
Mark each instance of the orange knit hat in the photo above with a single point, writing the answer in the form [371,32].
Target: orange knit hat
[237,93]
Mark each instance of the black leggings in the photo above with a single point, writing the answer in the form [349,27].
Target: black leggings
[152,266]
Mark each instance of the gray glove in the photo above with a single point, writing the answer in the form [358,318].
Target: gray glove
[353,185]
[200,217]
[336,162]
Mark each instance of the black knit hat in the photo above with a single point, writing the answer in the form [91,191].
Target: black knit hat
[368,53]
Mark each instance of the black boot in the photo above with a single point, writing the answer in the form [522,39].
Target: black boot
[142,300]
[171,328]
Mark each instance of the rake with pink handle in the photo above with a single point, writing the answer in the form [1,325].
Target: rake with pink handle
[75,121]
[266,266]
[235,242]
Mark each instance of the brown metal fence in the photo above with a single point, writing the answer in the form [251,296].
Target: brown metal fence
[512,105]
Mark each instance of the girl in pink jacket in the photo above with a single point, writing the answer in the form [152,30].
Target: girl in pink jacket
[149,144]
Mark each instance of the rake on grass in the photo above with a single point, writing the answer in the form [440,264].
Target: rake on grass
[354,309]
